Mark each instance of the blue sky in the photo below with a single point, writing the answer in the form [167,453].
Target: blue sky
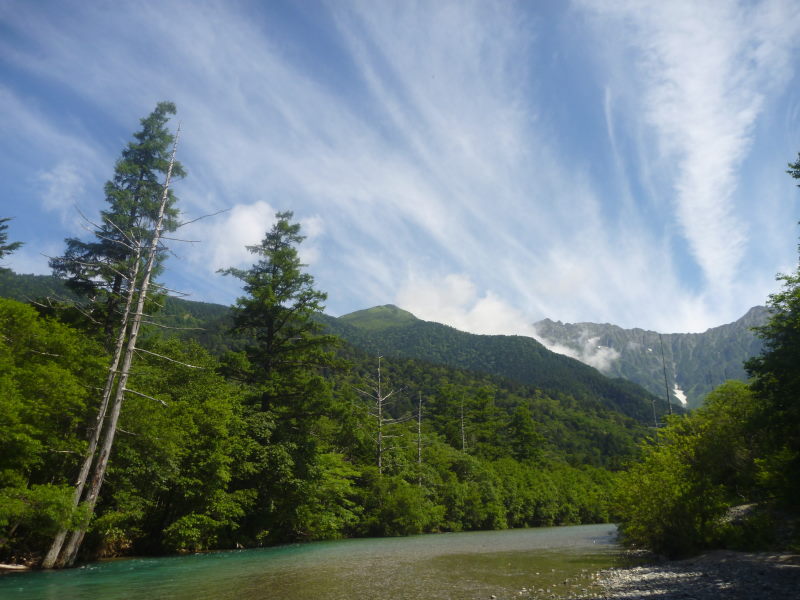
[483,164]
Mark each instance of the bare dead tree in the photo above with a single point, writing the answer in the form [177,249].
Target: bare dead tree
[51,559]
[116,382]
[419,436]
[463,430]
[379,401]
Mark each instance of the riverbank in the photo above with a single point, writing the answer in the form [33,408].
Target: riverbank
[720,574]
[4,568]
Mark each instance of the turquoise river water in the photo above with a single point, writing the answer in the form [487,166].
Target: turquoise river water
[451,566]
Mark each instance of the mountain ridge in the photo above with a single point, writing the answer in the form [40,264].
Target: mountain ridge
[695,362]
[388,329]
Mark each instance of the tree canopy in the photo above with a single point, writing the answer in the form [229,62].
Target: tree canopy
[97,269]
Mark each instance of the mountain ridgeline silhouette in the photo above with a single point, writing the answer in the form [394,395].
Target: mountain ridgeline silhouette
[630,383]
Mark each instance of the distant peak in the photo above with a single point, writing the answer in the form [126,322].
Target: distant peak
[379,317]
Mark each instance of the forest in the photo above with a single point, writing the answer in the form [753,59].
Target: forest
[127,433]
[123,434]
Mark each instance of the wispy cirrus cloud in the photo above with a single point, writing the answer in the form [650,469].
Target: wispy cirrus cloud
[703,73]
[444,156]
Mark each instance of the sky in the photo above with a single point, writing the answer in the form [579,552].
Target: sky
[482,164]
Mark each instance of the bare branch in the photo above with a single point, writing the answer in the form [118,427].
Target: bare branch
[170,290]
[127,389]
[219,212]
[365,393]
[174,239]
[45,353]
[154,324]
[101,265]
[168,358]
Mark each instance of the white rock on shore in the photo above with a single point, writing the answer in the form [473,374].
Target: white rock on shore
[721,574]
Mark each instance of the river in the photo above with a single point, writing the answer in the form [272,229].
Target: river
[451,566]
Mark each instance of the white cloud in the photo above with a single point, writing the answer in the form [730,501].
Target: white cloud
[704,70]
[431,147]
[454,300]
[62,188]
[224,239]
[586,349]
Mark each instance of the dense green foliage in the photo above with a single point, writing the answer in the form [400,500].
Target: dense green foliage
[674,500]
[517,358]
[741,448]
[47,371]
[776,381]
[264,439]
[209,468]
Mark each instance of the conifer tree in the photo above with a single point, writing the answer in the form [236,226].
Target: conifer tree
[277,314]
[281,365]
[96,269]
[142,240]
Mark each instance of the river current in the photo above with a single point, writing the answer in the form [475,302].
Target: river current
[451,566]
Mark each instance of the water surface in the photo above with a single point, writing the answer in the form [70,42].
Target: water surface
[450,566]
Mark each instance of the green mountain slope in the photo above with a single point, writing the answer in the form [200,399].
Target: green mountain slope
[517,358]
[25,288]
[696,362]
[390,331]
[379,318]
[578,431]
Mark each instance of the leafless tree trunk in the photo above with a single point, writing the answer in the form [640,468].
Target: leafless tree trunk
[419,436]
[379,402]
[463,431]
[51,559]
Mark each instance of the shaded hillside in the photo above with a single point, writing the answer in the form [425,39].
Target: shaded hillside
[517,358]
[206,322]
[696,362]
[390,331]
[564,428]
[25,288]
[379,318]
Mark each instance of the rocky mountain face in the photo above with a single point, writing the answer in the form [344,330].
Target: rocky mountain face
[695,362]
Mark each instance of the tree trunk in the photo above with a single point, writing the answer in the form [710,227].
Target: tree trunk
[51,559]
[71,550]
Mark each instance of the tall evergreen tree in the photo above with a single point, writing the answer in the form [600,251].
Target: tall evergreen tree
[277,314]
[282,365]
[97,269]
[143,241]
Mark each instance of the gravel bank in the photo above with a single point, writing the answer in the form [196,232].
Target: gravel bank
[712,576]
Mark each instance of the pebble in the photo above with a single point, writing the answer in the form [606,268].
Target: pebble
[735,575]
